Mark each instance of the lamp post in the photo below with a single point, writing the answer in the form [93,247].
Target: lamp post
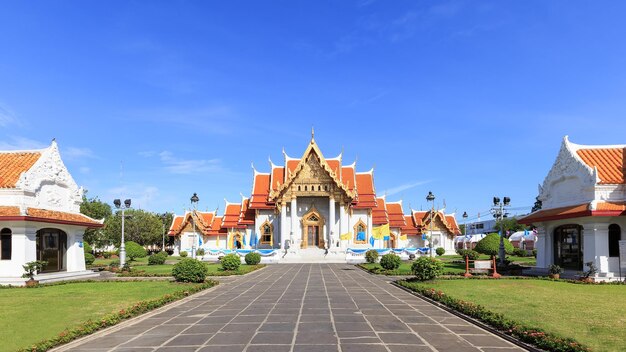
[464,229]
[499,213]
[431,198]
[118,205]
[194,203]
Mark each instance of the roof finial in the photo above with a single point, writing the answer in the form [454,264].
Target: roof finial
[312,134]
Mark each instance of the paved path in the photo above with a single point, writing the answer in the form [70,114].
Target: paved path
[298,308]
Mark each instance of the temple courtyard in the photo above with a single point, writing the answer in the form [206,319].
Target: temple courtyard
[298,307]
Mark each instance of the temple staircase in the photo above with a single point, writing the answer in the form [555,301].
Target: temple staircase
[314,255]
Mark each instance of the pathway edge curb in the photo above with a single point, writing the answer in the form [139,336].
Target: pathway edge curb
[471,320]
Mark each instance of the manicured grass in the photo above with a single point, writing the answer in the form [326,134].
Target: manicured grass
[215,269]
[526,261]
[31,315]
[136,262]
[592,314]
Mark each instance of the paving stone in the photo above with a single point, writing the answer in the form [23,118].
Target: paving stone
[401,338]
[353,327]
[486,341]
[230,338]
[269,348]
[363,348]
[273,337]
[317,327]
[240,327]
[189,340]
[223,348]
[170,330]
[307,338]
[147,341]
[315,348]
[280,327]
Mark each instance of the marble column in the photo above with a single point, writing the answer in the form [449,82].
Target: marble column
[294,222]
[342,220]
[596,246]
[331,222]
[283,224]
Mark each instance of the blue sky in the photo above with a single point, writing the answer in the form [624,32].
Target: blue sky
[468,99]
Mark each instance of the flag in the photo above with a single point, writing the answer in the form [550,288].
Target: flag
[244,239]
[381,232]
[360,236]
[253,240]
[346,236]
[386,238]
[200,240]
[403,238]
[372,241]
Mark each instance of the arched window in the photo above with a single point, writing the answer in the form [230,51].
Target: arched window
[267,233]
[360,232]
[5,244]
[236,241]
[615,235]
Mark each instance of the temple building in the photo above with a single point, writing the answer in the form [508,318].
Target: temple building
[583,209]
[40,217]
[313,207]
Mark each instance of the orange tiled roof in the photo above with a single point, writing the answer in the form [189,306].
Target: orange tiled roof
[396,215]
[452,225]
[62,216]
[9,211]
[203,223]
[379,213]
[410,228]
[246,215]
[231,216]
[292,165]
[216,228]
[609,161]
[12,165]
[611,206]
[365,191]
[347,177]
[576,211]
[278,177]
[178,220]
[260,192]
[335,166]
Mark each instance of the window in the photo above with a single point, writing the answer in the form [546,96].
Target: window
[313,218]
[615,235]
[266,233]
[5,244]
[360,232]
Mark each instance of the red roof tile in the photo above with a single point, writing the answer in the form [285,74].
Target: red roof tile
[51,216]
[231,216]
[410,228]
[452,225]
[13,164]
[379,213]
[178,220]
[216,228]
[396,215]
[260,192]
[335,166]
[609,161]
[278,177]
[9,211]
[347,177]
[365,190]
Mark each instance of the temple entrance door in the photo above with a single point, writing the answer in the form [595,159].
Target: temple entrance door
[51,247]
[312,225]
[568,252]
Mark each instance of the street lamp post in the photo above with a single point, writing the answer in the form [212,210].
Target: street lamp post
[431,198]
[194,203]
[464,229]
[118,205]
[499,213]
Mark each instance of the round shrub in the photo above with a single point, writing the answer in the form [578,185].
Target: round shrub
[115,263]
[518,252]
[461,252]
[134,250]
[427,268]
[183,254]
[200,252]
[252,258]
[89,258]
[107,254]
[490,245]
[190,270]
[440,251]
[371,256]
[87,248]
[472,255]
[157,259]
[390,261]
[231,262]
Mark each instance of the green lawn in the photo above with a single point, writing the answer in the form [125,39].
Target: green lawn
[31,315]
[526,261]
[215,269]
[136,262]
[595,315]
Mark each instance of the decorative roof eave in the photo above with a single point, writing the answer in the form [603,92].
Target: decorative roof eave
[292,175]
[202,226]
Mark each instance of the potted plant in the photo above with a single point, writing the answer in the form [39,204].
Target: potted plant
[555,271]
[31,268]
[587,275]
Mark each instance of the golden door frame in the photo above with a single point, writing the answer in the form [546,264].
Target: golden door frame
[306,222]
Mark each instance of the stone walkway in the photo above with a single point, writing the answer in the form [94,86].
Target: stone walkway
[298,308]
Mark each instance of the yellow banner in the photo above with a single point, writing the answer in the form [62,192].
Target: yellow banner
[346,236]
[384,230]
[403,238]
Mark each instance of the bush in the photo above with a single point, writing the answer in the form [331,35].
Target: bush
[200,252]
[107,255]
[535,253]
[114,263]
[157,258]
[390,261]
[134,250]
[490,245]
[518,252]
[371,256]
[440,251]
[472,255]
[87,248]
[89,258]
[183,254]
[252,258]
[231,262]
[461,252]
[426,268]
[190,270]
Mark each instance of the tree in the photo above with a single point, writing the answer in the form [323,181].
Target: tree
[95,209]
[143,227]
[490,245]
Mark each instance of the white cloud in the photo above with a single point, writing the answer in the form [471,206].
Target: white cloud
[7,116]
[21,143]
[77,153]
[189,166]
[404,187]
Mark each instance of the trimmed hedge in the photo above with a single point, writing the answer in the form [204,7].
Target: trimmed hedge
[134,250]
[252,258]
[427,268]
[390,261]
[528,334]
[490,245]
[190,270]
[230,262]
[440,251]
[157,258]
[183,254]
[471,254]
[89,258]
[90,326]
[371,256]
